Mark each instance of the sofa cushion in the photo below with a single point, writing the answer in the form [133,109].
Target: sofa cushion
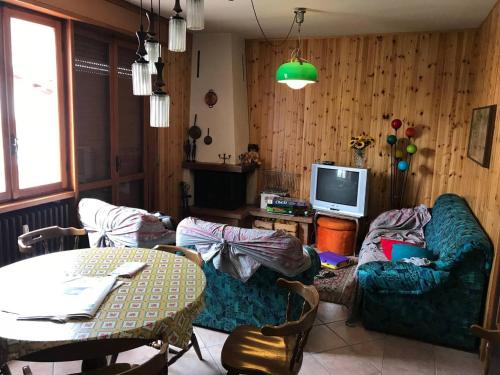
[454,232]
[387,245]
[401,251]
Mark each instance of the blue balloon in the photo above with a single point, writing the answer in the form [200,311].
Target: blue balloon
[403,165]
[392,139]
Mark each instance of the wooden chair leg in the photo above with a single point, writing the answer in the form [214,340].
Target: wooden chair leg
[196,346]
[4,370]
[113,358]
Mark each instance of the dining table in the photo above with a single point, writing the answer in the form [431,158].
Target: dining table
[160,302]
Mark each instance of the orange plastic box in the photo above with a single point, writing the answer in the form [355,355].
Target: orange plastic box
[334,234]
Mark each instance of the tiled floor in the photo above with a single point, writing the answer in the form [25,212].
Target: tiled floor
[333,348]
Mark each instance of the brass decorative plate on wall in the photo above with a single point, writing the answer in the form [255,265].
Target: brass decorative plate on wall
[211,98]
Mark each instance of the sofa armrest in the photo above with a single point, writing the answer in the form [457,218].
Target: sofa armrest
[399,278]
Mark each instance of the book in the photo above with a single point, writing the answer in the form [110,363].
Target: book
[333,261]
[76,298]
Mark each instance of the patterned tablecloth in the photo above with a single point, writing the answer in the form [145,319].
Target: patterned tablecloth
[160,302]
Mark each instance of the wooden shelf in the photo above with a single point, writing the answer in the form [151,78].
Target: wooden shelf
[259,212]
[218,167]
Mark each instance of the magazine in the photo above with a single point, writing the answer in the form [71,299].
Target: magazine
[76,298]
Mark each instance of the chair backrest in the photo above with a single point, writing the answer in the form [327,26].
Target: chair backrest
[45,235]
[296,329]
[192,255]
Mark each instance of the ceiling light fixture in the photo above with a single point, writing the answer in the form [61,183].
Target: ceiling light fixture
[195,14]
[177,30]
[152,45]
[298,72]
[141,78]
[159,101]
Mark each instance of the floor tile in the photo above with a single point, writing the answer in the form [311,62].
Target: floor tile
[311,366]
[215,352]
[210,337]
[38,368]
[63,368]
[354,335]
[137,356]
[321,339]
[456,362]
[405,357]
[373,351]
[345,361]
[190,364]
[330,312]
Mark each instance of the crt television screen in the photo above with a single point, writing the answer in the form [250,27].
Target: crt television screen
[337,186]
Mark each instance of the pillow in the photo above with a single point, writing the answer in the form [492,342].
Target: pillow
[387,244]
[400,251]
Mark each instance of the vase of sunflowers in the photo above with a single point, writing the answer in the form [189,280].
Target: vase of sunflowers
[359,145]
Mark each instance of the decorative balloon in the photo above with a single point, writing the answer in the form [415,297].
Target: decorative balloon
[411,149]
[396,123]
[411,132]
[392,139]
[400,161]
[403,165]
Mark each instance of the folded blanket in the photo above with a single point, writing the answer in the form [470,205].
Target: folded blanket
[109,225]
[240,252]
[406,225]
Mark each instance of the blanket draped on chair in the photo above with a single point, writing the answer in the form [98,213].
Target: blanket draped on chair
[406,225]
[240,252]
[113,226]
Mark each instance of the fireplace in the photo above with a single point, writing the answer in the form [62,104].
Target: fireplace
[219,186]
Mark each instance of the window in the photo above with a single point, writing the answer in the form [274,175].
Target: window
[32,109]
[109,119]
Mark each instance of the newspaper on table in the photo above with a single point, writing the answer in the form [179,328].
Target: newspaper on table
[76,298]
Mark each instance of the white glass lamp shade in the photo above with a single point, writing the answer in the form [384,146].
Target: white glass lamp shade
[153,50]
[177,34]
[296,84]
[159,116]
[141,79]
[195,15]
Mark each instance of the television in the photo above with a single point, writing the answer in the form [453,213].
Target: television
[339,189]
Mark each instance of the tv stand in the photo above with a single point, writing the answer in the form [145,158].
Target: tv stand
[338,215]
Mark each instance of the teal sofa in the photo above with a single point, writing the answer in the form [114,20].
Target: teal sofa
[229,302]
[436,304]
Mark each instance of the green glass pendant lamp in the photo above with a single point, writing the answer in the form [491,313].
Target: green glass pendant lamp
[297,73]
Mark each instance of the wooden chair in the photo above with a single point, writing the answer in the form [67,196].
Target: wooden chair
[273,350]
[492,338]
[46,236]
[156,365]
[195,257]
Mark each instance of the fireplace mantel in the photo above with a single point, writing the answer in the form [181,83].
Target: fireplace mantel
[218,167]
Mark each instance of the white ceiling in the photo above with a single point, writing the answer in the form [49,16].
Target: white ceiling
[338,17]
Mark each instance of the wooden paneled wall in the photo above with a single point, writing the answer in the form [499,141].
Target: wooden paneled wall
[364,82]
[479,185]
[429,80]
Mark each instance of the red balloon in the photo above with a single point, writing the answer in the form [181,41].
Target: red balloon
[411,132]
[396,123]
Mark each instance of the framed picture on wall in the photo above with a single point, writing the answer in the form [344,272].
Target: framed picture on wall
[481,134]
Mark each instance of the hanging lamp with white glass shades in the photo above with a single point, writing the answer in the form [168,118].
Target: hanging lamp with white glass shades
[152,46]
[141,77]
[159,102]
[177,30]
[195,14]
